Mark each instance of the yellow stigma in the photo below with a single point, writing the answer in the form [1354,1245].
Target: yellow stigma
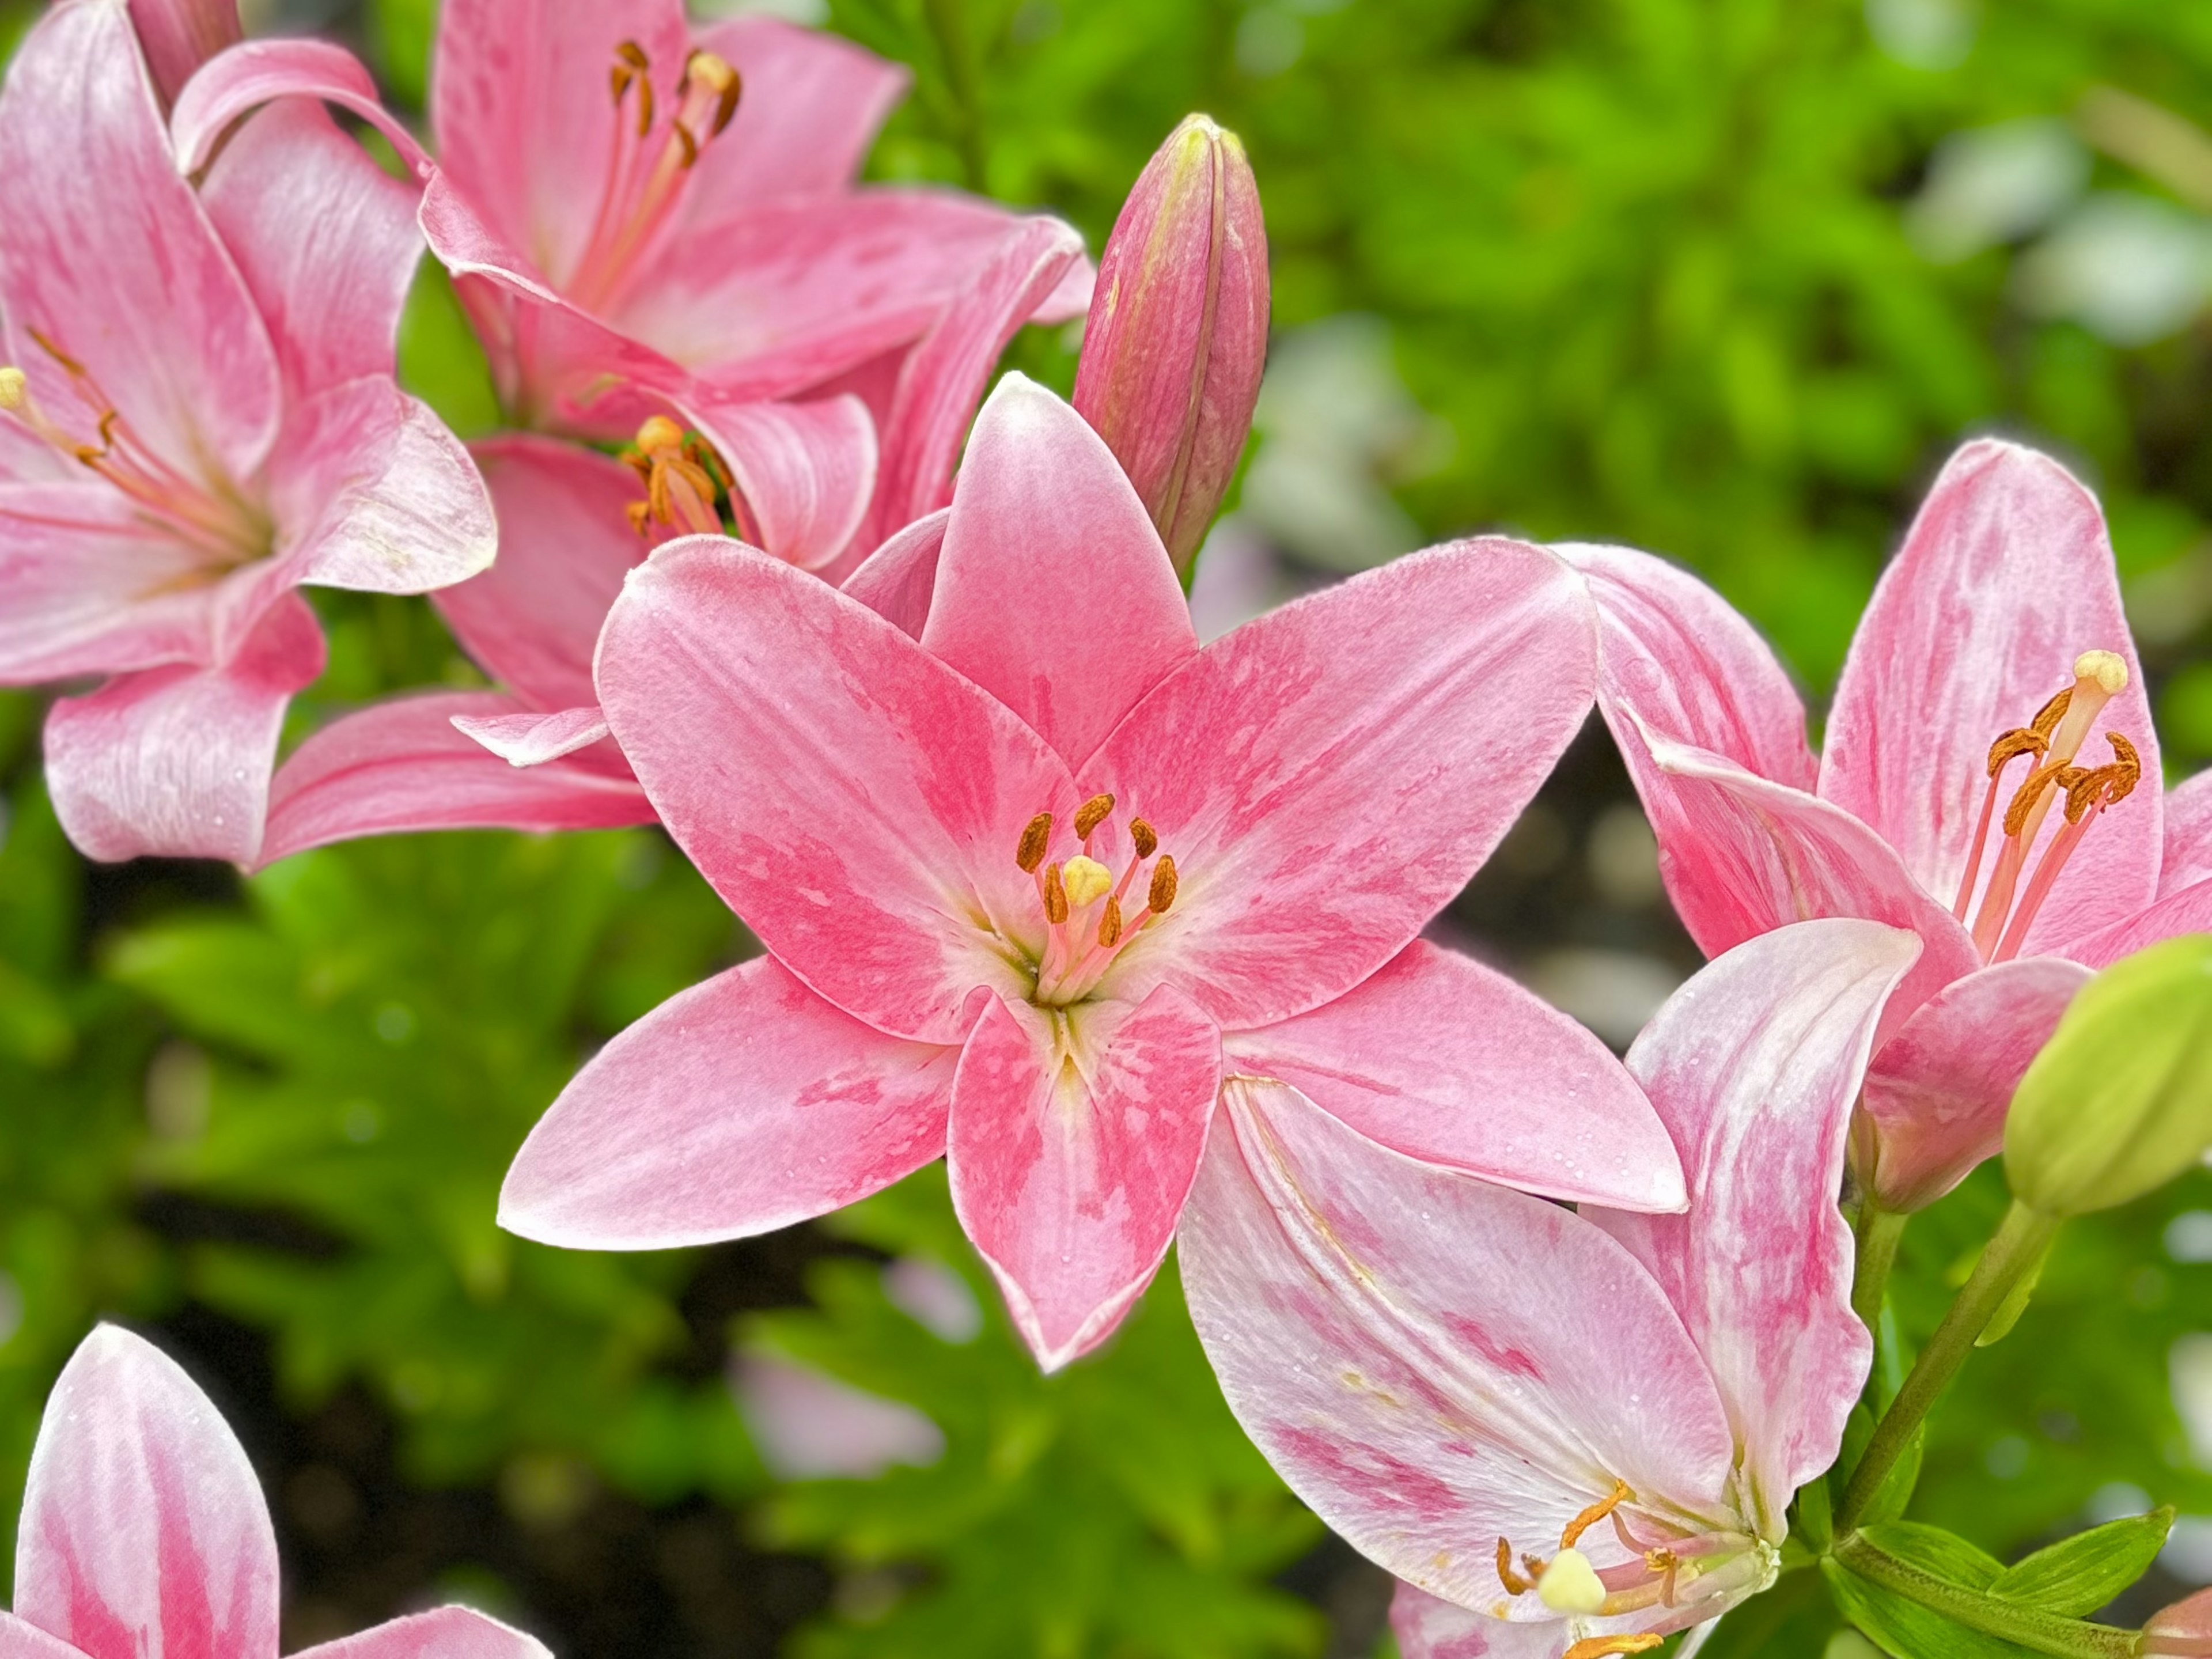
[1085,879]
[1571,1584]
[15,390]
[2106,668]
[660,433]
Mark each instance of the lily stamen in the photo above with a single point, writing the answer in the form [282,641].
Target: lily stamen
[1087,922]
[2089,791]
[1596,1513]
[684,477]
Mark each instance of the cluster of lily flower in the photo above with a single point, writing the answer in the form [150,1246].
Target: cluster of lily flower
[1126,930]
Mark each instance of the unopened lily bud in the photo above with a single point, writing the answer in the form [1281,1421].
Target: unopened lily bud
[2120,1099]
[2183,1628]
[1177,333]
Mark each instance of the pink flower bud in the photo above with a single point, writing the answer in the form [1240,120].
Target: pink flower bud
[1178,329]
[179,36]
[2183,1628]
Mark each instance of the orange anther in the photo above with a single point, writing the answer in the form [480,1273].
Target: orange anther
[1055,896]
[1143,837]
[1037,836]
[1514,1583]
[1109,924]
[1092,813]
[1596,1513]
[1162,892]
[1602,1647]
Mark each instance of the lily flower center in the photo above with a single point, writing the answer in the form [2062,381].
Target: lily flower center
[1087,910]
[2052,742]
[644,179]
[683,477]
[226,530]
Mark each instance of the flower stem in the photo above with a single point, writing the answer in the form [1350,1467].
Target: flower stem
[1993,1615]
[1878,1231]
[2015,1251]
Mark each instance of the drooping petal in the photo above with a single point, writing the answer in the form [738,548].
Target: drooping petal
[2187,858]
[811,105]
[1434,1362]
[532,620]
[179,36]
[258,72]
[944,376]
[440,1633]
[174,763]
[109,257]
[2186,910]
[2005,578]
[1754,1065]
[805,471]
[899,580]
[401,766]
[1073,1145]
[741,1105]
[856,801]
[1690,667]
[533,739]
[1450,1062]
[85,588]
[1327,777]
[324,238]
[372,491]
[1052,591]
[1935,1096]
[143,1535]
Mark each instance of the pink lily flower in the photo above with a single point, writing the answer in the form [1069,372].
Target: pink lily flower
[179,36]
[199,416]
[1981,787]
[2184,1628]
[1568,1434]
[1035,871]
[144,1535]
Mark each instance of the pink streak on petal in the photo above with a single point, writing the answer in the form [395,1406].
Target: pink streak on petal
[2005,578]
[256,72]
[1754,1065]
[440,1633]
[1071,1157]
[811,105]
[400,765]
[2187,858]
[1448,1062]
[857,802]
[1434,1362]
[179,36]
[143,1532]
[803,472]
[534,739]
[85,588]
[1053,590]
[174,763]
[899,580]
[743,1104]
[1428,1627]
[1937,1094]
[1327,777]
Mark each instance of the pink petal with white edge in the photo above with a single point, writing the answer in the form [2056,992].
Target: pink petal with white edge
[2005,578]
[1748,856]
[85,588]
[812,106]
[174,763]
[1936,1094]
[372,492]
[401,766]
[19,1640]
[326,240]
[1053,590]
[2186,911]
[743,1104]
[143,1533]
[1450,1062]
[109,255]
[440,1633]
[805,471]
[856,801]
[1689,667]
[899,580]
[1428,1627]
[2187,858]
[1754,1065]
[1073,1144]
[257,72]
[532,620]
[1362,1310]
[534,739]
[1327,777]
[179,36]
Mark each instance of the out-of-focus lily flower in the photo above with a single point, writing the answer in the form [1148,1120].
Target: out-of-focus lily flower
[1992,782]
[145,1533]
[1033,869]
[2184,1628]
[198,416]
[1177,334]
[1568,1434]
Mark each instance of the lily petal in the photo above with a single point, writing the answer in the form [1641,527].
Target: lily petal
[175,762]
[179,36]
[533,739]
[1070,1156]
[1450,1062]
[2187,858]
[2005,578]
[1363,1310]
[743,1104]
[401,766]
[806,472]
[899,789]
[812,106]
[2186,910]
[440,1633]
[899,580]
[87,588]
[20,1639]
[1936,1094]
[1429,1627]
[1754,1065]
[144,1535]
[1045,517]
[1311,771]
[257,72]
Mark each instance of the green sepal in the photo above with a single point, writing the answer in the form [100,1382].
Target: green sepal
[2079,1575]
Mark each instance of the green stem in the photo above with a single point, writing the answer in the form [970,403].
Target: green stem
[2011,1621]
[2015,1251]
[1879,1231]
[963,77]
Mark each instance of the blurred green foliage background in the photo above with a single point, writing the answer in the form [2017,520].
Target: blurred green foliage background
[1722,278]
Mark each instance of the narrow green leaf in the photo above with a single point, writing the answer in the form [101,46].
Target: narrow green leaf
[2079,1575]
[1905,1629]
[1946,1554]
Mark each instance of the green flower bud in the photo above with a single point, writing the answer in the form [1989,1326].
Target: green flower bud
[2120,1099]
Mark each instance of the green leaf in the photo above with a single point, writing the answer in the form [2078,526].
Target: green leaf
[1944,1553]
[1905,1628]
[2078,1575]
[1897,1489]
